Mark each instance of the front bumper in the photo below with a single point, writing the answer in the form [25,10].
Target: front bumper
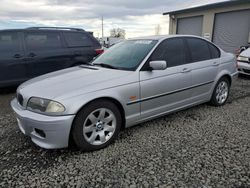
[244,68]
[50,132]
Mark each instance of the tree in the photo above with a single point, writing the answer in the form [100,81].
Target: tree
[118,33]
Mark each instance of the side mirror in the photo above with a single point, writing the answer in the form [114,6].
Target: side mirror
[158,65]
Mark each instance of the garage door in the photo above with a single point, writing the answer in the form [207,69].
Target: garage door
[190,26]
[231,30]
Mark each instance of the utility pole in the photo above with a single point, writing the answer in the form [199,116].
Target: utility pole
[102,26]
[158,30]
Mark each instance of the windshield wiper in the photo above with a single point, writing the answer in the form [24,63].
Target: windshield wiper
[105,65]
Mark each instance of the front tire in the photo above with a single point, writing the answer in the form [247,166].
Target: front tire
[221,92]
[96,125]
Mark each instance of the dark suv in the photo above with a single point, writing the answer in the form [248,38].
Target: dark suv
[27,53]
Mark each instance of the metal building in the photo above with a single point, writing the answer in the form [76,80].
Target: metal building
[226,23]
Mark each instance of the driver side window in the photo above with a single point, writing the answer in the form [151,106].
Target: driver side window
[172,51]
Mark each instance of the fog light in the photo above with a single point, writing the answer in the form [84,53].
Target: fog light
[41,133]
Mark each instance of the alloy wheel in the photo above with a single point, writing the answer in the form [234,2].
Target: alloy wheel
[99,126]
[222,92]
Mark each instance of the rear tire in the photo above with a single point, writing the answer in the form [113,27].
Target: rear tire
[221,92]
[96,125]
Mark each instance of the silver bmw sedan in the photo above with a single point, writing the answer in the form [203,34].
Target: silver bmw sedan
[132,82]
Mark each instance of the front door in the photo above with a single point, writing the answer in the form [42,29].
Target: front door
[166,90]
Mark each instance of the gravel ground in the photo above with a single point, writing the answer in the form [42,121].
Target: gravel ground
[203,146]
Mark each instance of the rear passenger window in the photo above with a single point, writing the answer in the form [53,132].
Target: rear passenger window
[199,49]
[42,40]
[172,51]
[9,42]
[215,53]
[75,39]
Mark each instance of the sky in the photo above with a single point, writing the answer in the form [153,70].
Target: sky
[137,17]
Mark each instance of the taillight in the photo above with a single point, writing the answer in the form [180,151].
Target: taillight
[99,51]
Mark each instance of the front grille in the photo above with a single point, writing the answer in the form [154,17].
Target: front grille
[246,71]
[20,99]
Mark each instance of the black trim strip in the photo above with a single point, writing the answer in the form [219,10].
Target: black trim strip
[88,67]
[169,93]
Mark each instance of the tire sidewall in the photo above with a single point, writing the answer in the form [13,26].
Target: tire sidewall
[77,129]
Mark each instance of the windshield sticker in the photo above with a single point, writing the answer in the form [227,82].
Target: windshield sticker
[143,42]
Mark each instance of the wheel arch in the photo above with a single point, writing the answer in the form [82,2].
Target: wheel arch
[224,74]
[228,77]
[114,101]
[110,99]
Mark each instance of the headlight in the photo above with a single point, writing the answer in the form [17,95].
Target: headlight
[241,58]
[44,106]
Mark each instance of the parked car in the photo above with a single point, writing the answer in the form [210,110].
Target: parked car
[243,62]
[132,82]
[27,53]
[241,49]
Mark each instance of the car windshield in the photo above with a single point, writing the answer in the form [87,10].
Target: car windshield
[126,55]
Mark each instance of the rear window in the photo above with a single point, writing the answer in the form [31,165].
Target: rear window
[9,42]
[42,40]
[199,49]
[77,39]
[215,53]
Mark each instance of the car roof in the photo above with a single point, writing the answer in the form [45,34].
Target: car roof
[162,37]
[12,30]
[45,29]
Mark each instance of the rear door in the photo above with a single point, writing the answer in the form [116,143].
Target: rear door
[81,46]
[12,66]
[165,90]
[205,59]
[45,52]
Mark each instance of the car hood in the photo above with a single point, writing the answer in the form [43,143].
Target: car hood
[74,81]
[245,53]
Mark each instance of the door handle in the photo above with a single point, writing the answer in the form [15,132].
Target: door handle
[32,54]
[17,56]
[215,64]
[184,70]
